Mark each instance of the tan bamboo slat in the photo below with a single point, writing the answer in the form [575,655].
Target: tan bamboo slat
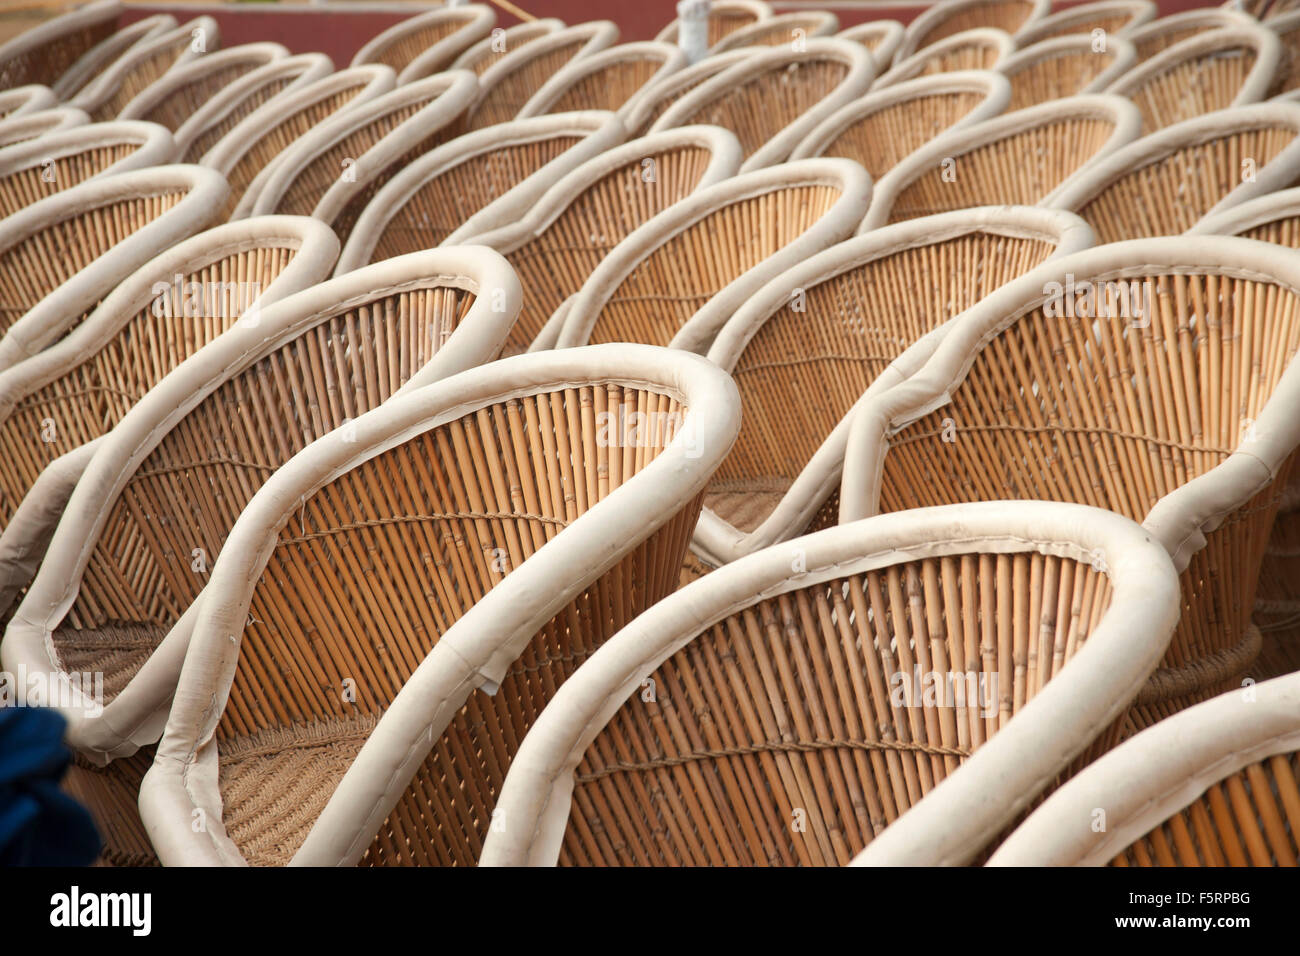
[109,51]
[942,21]
[43,53]
[1053,69]
[979,49]
[1112,17]
[428,43]
[882,38]
[491,49]
[725,18]
[662,94]
[176,96]
[25,100]
[615,79]
[1159,35]
[789,30]
[20,129]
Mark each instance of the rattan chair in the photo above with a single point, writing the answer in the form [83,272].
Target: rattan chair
[245,154]
[881,128]
[1222,68]
[1054,69]
[175,97]
[59,257]
[557,245]
[24,100]
[882,38]
[1287,79]
[725,18]
[20,129]
[774,98]
[56,406]
[1159,35]
[105,96]
[35,170]
[404,770]
[43,53]
[812,343]
[1111,17]
[208,123]
[679,277]
[615,79]
[796,706]
[427,44]
[105,53]
[491,49]
[659,96]
[942,21]
[513,80]
[788,30]
[980,49]
[1217,785]
[1164,183]
[489,175]
[141,530]
[1022,158]
[1149,377]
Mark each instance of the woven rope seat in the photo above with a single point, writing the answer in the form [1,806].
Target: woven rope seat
[1164,183]
[491,49]
[427,44]
[790,30]
[108,51]
[1112,17]
[1217,785]
[1151,377]
[497,173]
[1053,69]
[1021,158]
[615,79]
[846,323]
[1159,35]
[659,96]
[944,20]
[43,53]
[882,38]
[725,18]
[174,98]
[21,129]
[24,100]
[775,712]
[405,770]
[979,49]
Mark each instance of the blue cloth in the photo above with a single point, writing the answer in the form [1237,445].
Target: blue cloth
[40,825]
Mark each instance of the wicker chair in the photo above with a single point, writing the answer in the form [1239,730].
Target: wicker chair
[56,406]
[1164,183]
[679,277]
[105,53]
[788,30]
[725,18]
[615,79]
[658,97]
[404,770]
[24,100]
[490,50]
[1222,68]
[980,49]
[812,343]
[20,129]
[244,155]
[1217,785]
[774,98]
[1287,79]
[881,128]
[756,717]
[1152,379]
[175,97]
[105,96]
[1112,17]
[945,20]
[43,53]
[882,38]
[490,175]
[557,245]
[208,123]
[32,171]
[1054,69]
[1159,35]
[513,80]
[142,528]
[427,44]
[103,231]
[1021,158]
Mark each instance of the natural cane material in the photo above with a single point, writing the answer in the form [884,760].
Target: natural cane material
[789,30]
[42,54]
[1111,17]
[615,79]
[1052,69]
[489,50]
[108,51]
[725,18]
[427,44]
[882,38]
[944,20]
[21,129]
[174,98]
[980,49]
[1159,35]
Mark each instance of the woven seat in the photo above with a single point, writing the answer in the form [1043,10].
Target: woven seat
[1112,17]
[105,53]
[104,230]
[244,155]
[662,94]
[679,277]
[1217,785]
[513,80]
[363,148]
[1164,183]
[725,18]
[614,79]
[941,21]
[1222,68]
[43,53]
[789,30]
[32,171]
[24,100]
[479,585]
[1159,35]
[491,49]
[796,706]
[427,44]
[1022,158]
[20,129]
[881,128]
[980,49]
[105,96]
[1150,378]
[492,174]
[1053,69]
[772,99]
[174,98]
[559,242]
[848,322]
[231,105]
[882,38]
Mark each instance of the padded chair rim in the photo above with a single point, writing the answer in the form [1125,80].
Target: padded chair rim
[1243,216]
[1284,22]
[31,98]
[1124,52]
[1143,12]
[1215,18]
[262,52]
[906,69]
[716,540]
[937,13]
[893,38]
[154,141]
[100,89]
[76,77]
[92,13]
[599,34]
[709,67]
[1002,776]
[63,117]
[476,22]
[135,716]
[671,59]
[601,129]
[824,24]
[995,86]
[762,11]
[1155,774]
[953,143]
[1268,57]
[471,55]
